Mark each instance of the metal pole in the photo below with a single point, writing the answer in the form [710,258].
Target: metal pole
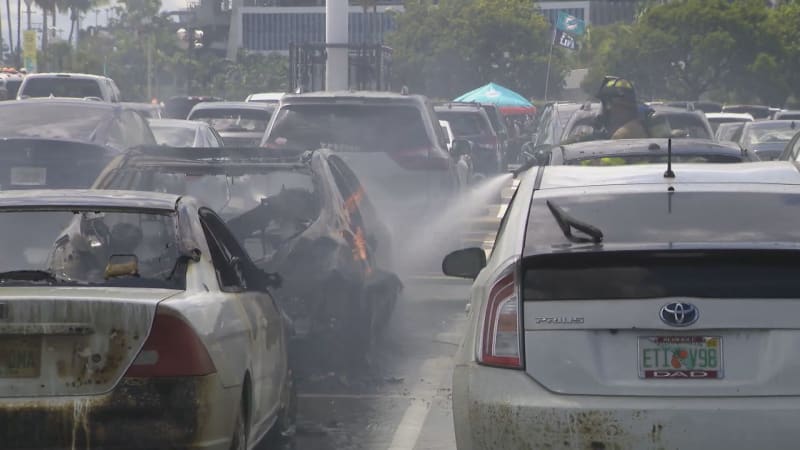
[19,33]
[336,33]
[549,60]
[149,67]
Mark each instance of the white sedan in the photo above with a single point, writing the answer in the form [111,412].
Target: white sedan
[134,320]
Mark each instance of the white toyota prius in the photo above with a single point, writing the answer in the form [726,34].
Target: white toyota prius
[622,308]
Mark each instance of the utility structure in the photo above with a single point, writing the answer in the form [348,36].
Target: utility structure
[338,63]
[191,40]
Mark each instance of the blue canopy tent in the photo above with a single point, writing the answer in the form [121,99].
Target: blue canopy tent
[507,100]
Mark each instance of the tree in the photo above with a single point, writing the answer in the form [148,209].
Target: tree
[444,49]
[46,6]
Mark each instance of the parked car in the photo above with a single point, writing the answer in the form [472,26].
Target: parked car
[306,217]
[178,107]
[641,151]
[265,97]
[71,85]
[615,299]
[663,122]
[147,110]
[757,111]
[142,315]
[715,119]
[768,139]
[184,133]
[393,142]
[500,128]
[241,124]
[470,121]
[787,114]
[64,143]
[10,83]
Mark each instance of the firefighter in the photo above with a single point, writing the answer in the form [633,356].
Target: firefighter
[621,117]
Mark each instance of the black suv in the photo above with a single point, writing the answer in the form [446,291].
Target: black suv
[470,121]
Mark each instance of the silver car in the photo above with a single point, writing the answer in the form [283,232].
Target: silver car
[134,320]
[184,133]
[624,308]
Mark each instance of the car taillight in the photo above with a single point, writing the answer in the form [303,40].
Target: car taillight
[173,349]
[500,333]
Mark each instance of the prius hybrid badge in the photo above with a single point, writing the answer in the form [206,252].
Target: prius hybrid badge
[679,314]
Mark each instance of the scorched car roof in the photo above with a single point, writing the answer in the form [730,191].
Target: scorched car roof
[691,146]
[88,198]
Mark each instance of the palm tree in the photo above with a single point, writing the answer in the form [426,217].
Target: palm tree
[46,6]
[10,32]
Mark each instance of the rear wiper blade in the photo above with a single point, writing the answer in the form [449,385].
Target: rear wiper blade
[567,223]
[28,275]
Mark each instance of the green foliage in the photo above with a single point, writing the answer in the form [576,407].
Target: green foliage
[447,48]
[121,53]
[737,50]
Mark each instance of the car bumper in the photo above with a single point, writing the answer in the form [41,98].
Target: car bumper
[501,408]
[168,413]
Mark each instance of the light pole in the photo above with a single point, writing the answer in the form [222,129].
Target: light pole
[191,40]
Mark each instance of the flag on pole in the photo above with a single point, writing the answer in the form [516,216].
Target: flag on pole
[566,40]
[570,24]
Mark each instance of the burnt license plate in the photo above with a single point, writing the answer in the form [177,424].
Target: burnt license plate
[20,357]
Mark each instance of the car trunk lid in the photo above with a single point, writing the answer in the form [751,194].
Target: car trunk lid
[663,323]
[71,340]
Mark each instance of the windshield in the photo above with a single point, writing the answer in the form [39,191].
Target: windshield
[49,120]
[350,128]
[174,136]
[769,133]
[224,120]
[97,247]
[61,87]
[466,123]
[622,160]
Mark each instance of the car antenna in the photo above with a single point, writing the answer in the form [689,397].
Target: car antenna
[669,173]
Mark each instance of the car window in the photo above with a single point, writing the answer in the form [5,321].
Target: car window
[137,132]
[349,128]
[623,160]
[466,123]
[61,87]
[223,251]
[174,136]
[233,119]
[53,120]
[769,134]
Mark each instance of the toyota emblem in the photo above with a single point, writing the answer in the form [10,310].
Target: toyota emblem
[679,314]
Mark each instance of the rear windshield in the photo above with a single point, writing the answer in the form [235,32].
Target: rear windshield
[50,164]
[90,247]
[680,125]
[771,133]
[665,218]
[350,128]
[173,136]
[622,160]
[224,120]
[628,275]
[465,123]
[49,120]
[62,87]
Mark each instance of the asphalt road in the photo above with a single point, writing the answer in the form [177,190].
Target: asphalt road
[401,399]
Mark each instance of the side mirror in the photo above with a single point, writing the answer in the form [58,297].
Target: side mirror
[461,147]
[539,153]
[466,263]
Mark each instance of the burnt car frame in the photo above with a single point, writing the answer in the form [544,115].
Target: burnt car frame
[325,240]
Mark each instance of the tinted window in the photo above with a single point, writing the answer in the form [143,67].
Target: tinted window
[62,87]
[52,120]
[465,123]
[12,86]
[233,119]
[671,218]
[353,128]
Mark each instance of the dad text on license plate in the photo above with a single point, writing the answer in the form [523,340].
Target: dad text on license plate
[680,357]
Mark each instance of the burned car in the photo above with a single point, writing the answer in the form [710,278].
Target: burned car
[134,320]
[304,216]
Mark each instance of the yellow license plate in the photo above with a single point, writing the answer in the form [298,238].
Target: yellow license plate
[20,357]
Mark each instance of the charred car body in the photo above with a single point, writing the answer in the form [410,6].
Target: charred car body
[305,217]
[135,322]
